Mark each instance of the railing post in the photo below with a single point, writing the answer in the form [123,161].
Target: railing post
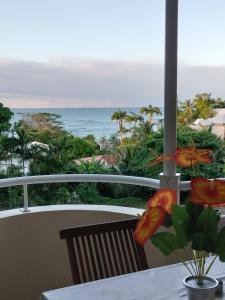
[25,198]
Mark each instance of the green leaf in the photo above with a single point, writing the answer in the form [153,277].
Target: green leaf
[181,222]
[207,224]
[166,242]
[199,241]
[194,210]
[220,247]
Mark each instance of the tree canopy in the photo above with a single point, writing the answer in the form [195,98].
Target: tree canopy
[150,111]
[120,116]
[5,116]
[200,107]
[42,126]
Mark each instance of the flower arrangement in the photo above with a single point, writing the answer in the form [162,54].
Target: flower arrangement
[193,224]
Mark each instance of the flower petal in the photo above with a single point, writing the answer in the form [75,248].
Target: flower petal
[148,224]
[160,159]
[165,198]
[190,157]
[205,191]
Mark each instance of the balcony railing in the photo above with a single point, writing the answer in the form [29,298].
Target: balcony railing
[132,180]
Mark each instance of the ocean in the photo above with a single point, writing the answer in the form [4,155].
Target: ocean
[81,121]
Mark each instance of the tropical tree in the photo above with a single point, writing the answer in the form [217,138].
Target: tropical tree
[114,139]
[203,104]
[150,111]
[5,116]
[142,132]
[134,118]
[120,117]
[218,103]
[21,140]
[186,112]
[42,126]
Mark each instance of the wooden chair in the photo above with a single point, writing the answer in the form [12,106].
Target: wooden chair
[103,250]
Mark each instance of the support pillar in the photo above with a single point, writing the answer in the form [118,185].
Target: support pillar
[170,86]
[169,178]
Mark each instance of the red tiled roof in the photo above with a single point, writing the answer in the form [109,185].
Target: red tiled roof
[108,158]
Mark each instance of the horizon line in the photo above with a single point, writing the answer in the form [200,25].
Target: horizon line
[73,107]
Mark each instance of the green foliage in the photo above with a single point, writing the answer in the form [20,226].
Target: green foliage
[46,163]
[62,195]
[114,139]
[155,142]
[201,107]
[143,146]
[90,138]
[88,193]
[120,117]
[80,147]
[42,126]
[143,132]
[134,159]
[166,242]
[93,167]
[220,247]
[218,103]
[181,222]
[206,228]
[125,201]
[194,225]
[187,137]
[150,111]
[11,197]
[5,116]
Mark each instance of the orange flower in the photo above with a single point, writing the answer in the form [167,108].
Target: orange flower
[205,191]
[165,198]
[160,159]
[148,224]
[190,157]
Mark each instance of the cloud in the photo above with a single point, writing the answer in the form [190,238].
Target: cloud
[197,79]
[97,83]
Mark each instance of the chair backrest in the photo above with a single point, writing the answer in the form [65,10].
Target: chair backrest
[103,250]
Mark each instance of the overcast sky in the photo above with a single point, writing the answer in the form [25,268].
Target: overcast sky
[94,53]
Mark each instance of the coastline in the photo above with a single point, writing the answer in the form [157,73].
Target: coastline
[81,121]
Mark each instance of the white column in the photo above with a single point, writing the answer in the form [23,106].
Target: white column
[169,178]
[170,85]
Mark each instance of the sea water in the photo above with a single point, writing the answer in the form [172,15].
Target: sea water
[82,121]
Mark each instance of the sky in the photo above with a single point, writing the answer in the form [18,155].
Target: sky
[106,53]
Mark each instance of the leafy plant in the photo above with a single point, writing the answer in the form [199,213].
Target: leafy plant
[195,224]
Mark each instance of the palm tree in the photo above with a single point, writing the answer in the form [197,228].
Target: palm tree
[120,117]
[185,113]
[21,144]
[204,106]
[144,130]
[150,111]
[134,118]
[218,103]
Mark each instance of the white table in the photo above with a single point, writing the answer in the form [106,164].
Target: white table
[163,283]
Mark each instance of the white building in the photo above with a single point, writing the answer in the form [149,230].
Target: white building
[217,123]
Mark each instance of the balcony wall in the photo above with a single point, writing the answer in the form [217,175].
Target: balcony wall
[33,258]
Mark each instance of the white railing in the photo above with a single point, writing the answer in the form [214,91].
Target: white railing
[28,180]
[185,186]
[154,183]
